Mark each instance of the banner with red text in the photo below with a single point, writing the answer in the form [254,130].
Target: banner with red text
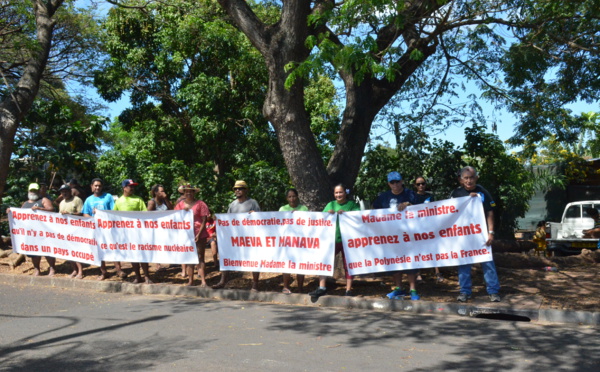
[282,242]
[161,237]
[444,233]
[39,233]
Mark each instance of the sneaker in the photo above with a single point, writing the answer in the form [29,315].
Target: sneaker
[495,297]
[414,296]
[463,297]
[318,292]
[349,294]
[397,292]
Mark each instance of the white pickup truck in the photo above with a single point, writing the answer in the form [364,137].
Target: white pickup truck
[566,237]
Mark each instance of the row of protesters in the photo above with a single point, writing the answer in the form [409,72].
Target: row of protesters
[398,198]
[69,204]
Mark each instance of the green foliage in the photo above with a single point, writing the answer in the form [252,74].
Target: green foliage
[502,174]
[555,62]
[74,45]
[416,155]
[58,140]
[197,87]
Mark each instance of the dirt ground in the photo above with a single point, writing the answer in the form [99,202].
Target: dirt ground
[575,286]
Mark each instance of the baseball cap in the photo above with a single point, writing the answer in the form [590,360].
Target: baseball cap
[33,186]
[64,187]
[394,176]
[128,182]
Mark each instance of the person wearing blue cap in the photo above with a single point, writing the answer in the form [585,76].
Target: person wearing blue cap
[398,198]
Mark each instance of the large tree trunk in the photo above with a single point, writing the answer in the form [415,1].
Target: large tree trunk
[284,43]
[17,103]
[284,108]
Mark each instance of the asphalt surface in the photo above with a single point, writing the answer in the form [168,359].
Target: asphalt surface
[51,328]
[514,307]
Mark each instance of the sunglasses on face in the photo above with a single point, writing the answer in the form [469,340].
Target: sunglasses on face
[394,182]
[420,184]
[239,188]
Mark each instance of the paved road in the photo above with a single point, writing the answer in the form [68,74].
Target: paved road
[48,329]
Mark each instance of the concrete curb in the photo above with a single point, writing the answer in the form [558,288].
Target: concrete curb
[479,309]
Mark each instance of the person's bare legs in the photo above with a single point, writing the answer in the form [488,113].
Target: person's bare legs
[52,263]
[36,260]
[286,283]
[300,280]
[322,290]
[438,276]
[103,272]
[184,271]
[190,274]
[215,252]
[201,247]
[397,279]
[77,270]
[122,274]
[255,276]
[146,268]
[348,284]
[222,282]
[412,281]
[138,274]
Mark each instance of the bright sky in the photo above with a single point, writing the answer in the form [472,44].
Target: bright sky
[504,120]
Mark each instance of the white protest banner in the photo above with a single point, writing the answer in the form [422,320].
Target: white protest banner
[161,237]
[282,242]
[444,233]
[40,233]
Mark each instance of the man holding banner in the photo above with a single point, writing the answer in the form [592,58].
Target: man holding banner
[468,180]
[39,203]
[242,204]
[397,198]
[73,205]
[100,200]
[133,203]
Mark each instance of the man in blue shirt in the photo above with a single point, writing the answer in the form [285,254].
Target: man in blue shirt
[100,200]
[398,198]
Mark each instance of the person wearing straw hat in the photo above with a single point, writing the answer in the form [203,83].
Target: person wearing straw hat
[200,211]
[242,204]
